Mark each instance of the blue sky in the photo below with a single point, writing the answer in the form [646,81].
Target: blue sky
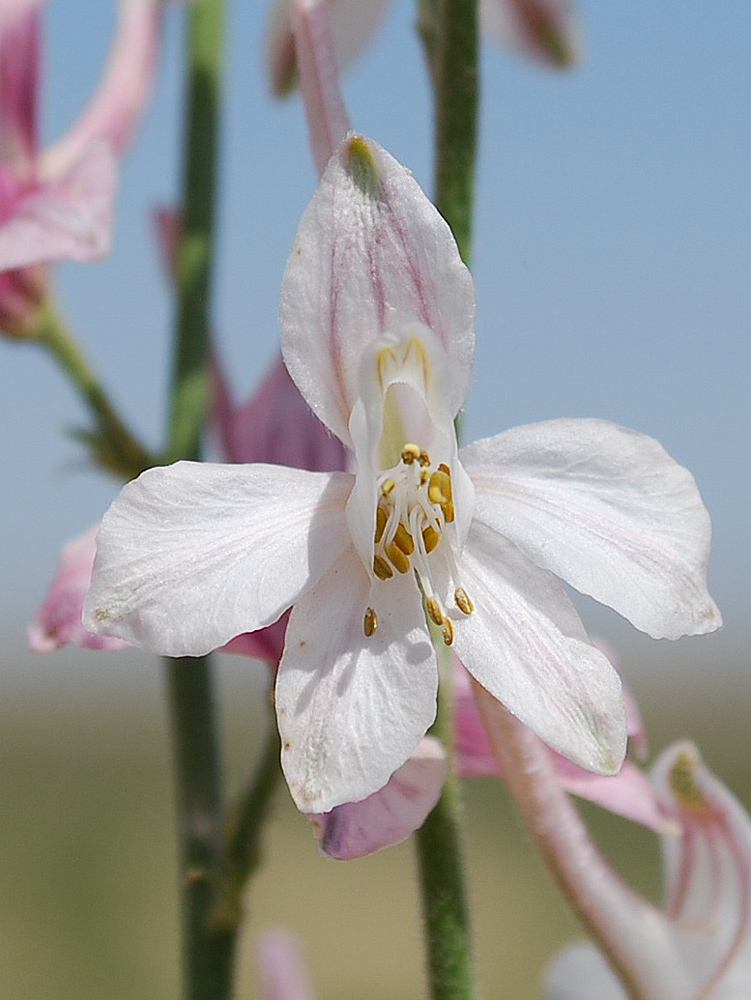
[612,258]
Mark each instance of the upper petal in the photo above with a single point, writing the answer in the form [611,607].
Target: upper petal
[525,644]
[352,709]
[371,254]
[191,555]
[606,509]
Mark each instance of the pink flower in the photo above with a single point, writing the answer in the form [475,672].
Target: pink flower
[699,946]
[57,202]
[545,31]
[283,973]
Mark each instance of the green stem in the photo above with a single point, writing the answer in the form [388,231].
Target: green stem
[441,869]
[208,944]
[114,446]
[195,250]
[450,32]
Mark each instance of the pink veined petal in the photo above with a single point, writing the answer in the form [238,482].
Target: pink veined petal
[283,973]
[390,815]
[352,709]
[58,620]
[607,510]
[525,644]
[371,255]
[327,118]
[70,218]
[122,93]
[544,30]
[11,11]
[191,555]
[19,76]
[276,426]
[581,973]
[353,23]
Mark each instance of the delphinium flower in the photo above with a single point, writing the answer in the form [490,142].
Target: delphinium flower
[699,945]
[56,202]
[545,31]
[378,334]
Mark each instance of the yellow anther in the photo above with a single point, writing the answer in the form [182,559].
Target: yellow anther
[435,611]
[439,488]
[387,486]
[448,512]
[397,558]
[381,568]
[448,631]
[381,519]
[463,601]
[430,538]
[410,453]
[404,540]
[370,623]
[424,458]
[424,476]
[683,783]
[447,472]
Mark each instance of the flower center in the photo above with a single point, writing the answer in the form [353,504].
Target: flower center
[415,503]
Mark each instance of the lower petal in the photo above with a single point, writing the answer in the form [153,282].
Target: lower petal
[525,644]
[351,708]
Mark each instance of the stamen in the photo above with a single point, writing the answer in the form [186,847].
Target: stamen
[404,540]
[370,623]
[463,601]
[410,453]
[439,488]
[381,519]
[381,568]
[448,631]
[424,458]
[435,610]
[398,559]
[430,537]
[387,486]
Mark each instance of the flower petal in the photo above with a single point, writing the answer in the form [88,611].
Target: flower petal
[371,255]
[283,973]
[581,973]
[352,709]
[607,510]
[353,23]
[70,218]
[525,644]
[544,30]
[193,554]
[58,620]
[388,816]
[19,75]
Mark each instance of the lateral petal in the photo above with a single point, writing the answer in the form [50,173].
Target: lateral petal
[525,644]
[388,816]
[606,509]
[371,255]
[193,554]
[352,709]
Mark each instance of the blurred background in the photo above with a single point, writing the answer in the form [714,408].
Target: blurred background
[612,260]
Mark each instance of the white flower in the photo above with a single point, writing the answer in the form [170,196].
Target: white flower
[378,333]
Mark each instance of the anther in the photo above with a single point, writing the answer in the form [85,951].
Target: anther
[439,488]
[410,453]
[448,512]
[381,568]
[463,601]
[424,476]
[387,486]
[448,631]
[430,538]
[435,611]
[447,472]
[404,540]
[397,558]
[424,458]
[370,623]
[381,519]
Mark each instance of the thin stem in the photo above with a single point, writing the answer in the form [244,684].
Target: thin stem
[441,871]
[208,945]
[196,245]
[450,33]
[114,446]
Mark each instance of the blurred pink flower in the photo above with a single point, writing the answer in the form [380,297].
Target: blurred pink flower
[57,202]
[543,30]
[699,946]
[283,972]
